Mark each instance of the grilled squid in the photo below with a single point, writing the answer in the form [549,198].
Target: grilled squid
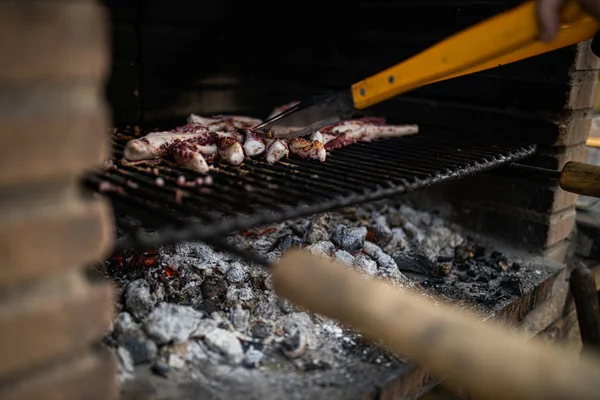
[276,150]
[253,144]
[307,148]
[190,156]
[158,144]
[231,150]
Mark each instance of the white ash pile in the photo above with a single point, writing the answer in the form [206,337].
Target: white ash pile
[195,306]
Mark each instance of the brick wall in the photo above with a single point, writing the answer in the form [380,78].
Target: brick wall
[53,118]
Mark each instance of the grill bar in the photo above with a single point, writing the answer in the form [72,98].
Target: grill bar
[257,193]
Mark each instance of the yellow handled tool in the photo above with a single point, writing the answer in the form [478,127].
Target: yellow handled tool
[503,39]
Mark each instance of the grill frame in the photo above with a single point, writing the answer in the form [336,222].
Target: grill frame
[367,172]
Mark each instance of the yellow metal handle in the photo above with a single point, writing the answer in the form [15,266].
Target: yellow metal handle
[505,38]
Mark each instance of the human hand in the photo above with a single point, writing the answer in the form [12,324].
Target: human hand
[548,15]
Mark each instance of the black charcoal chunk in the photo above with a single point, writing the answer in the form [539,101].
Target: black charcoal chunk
[417,263]
[350,239]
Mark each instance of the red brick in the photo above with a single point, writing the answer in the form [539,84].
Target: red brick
[53,40]
[43,237]
[90,376]
[51,319]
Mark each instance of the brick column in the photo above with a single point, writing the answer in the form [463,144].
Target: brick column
[53,127]
[534,213]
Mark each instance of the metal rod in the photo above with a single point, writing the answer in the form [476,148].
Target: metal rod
[544,172]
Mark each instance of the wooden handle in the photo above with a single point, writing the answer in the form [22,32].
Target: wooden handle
[581,178]
[487,360]
[505,38]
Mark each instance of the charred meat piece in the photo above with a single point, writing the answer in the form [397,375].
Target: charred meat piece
[158,144]
[307,148]
[190,156]
[276,150]
[230,150]
[253,144]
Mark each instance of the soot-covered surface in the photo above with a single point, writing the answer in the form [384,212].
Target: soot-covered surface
[195,323]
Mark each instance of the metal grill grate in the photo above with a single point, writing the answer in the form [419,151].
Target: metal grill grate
[257,193]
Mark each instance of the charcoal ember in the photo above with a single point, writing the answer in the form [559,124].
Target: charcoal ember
[437,239]
[418,263]
[416,216]
[253,357]
[226,344]
[415,235]
[175,361]
[262,246]
[344,257]
[238,272]
[300,228]
[208,306]
[268,306]
[124,323]
[222,267]
[323,249]
[243,294]
[483,277]
[286,305]
[196,255]
[203,327]
[125,365]
[141,349]
[240,318]
[499,261]
[513,284]
[464,253]
[318,230]
[294,345]
[349,239]
[160,369]
[445,269]
[138,299]
[214,286]
[272,257]
[399,242]
[239,241]
[261,330]
[299,322]
[172,323]
[315,364]
[289,242]
[268,282]
[479,253]
[365,265]
[196,351]
[383,233]
[387,265]
[405,214]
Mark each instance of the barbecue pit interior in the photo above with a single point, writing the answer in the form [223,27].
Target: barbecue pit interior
[445,211]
